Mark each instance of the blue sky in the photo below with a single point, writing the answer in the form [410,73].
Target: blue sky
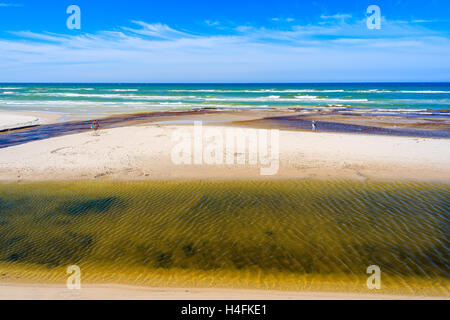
[224,41]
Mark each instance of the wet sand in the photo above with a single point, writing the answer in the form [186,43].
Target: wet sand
[411,125]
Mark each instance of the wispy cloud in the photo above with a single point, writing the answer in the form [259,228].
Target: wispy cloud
[10,5]
[212,23]
[276,19]
[341,17]
[157,30]
[337,51]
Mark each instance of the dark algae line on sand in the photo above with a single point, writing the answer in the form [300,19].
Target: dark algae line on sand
[294,234]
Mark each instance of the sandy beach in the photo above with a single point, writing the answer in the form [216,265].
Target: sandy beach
[121,292]
[10,120]
[144,152]
[13,121]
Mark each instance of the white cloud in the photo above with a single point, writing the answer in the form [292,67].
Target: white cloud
[10,5]
[282,19]
[158,52]
[157,30]
[336,17]
[212,23]
[41,36]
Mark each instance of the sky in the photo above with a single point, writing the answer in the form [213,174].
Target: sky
[224,41]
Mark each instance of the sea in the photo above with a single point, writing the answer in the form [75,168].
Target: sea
[105,99]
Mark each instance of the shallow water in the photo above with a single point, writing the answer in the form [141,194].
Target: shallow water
[299,234]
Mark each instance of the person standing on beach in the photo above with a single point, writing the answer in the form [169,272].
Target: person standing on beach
[95,125]
[313,123]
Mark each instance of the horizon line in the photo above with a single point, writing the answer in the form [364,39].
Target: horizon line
[216,83]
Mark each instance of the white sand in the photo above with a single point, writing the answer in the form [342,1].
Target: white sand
[123,292]
[144,152]
[14,121]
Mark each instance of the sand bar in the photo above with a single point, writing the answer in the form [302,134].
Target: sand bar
[12,121]
[144,152]
[123,292]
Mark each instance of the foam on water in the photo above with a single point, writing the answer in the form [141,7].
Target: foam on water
[435,96]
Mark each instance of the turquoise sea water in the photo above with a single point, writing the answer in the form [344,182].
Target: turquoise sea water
[421,98]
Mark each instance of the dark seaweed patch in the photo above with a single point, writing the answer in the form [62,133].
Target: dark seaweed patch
[188,249]
[17,206]
[100,205]
[5,205]
[13,257]
[68,248]
[157,259]
[15,239]
[163,260]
